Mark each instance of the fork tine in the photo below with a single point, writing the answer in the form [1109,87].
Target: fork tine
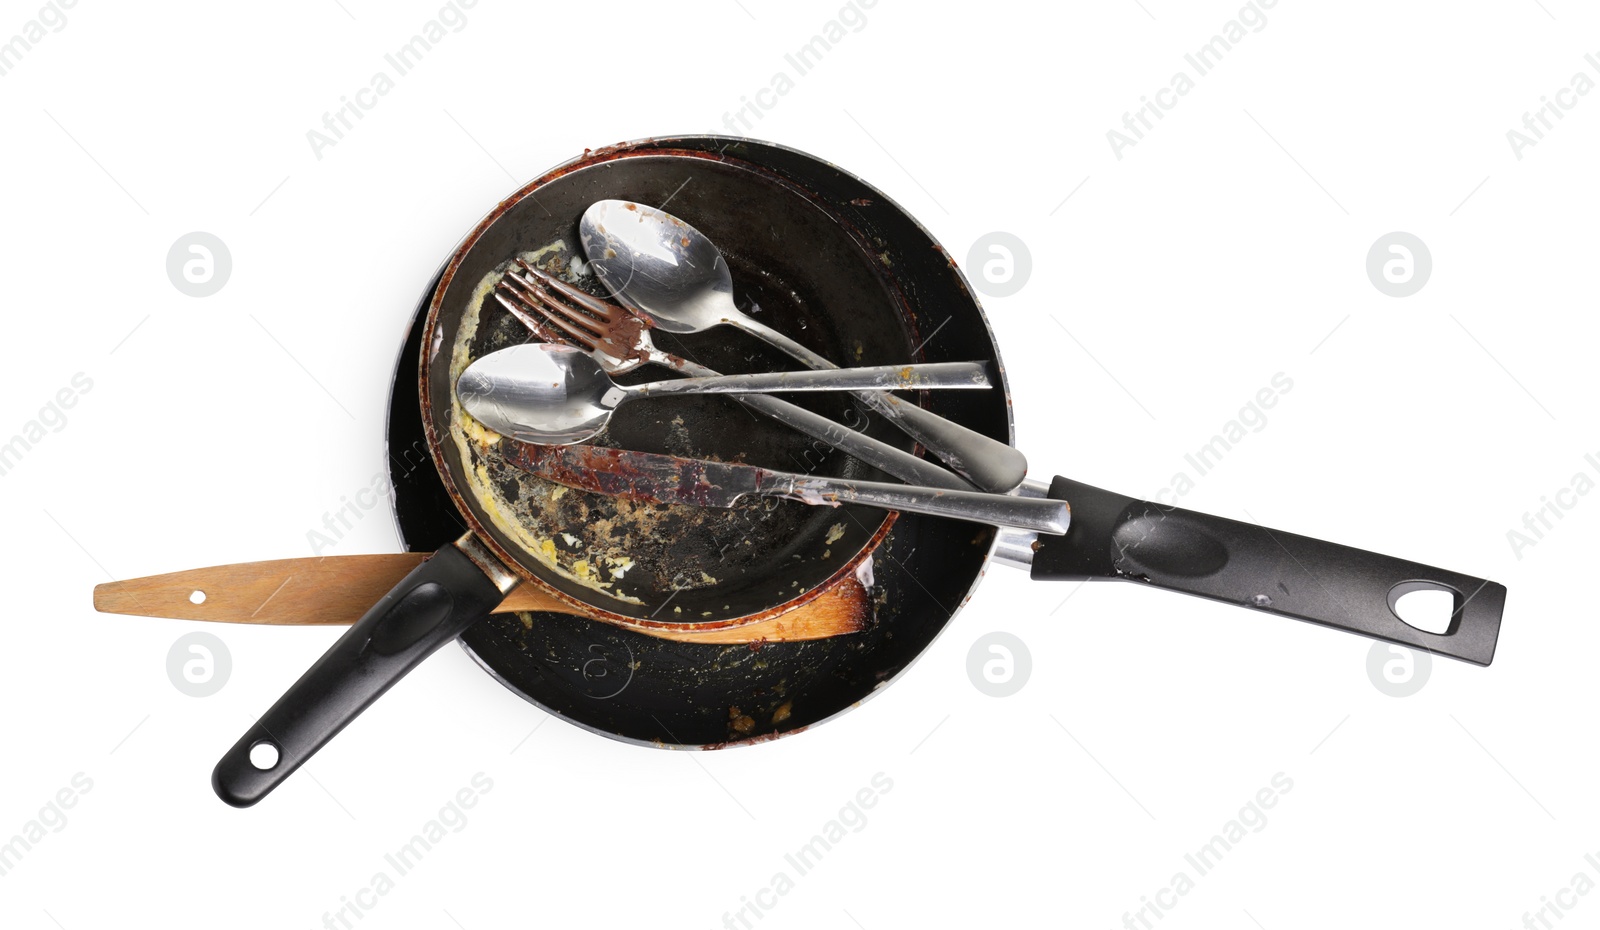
[532,287]
[604,310]
[562,312]
[571,321]
[536,324]
[540,316]
[524,289]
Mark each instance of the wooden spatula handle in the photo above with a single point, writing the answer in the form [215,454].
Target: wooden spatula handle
[337,590]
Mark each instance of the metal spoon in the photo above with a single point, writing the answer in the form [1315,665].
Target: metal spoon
[666,270]
[557,395]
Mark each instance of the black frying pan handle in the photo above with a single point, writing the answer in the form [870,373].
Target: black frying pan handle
[431,606]
[1113,536]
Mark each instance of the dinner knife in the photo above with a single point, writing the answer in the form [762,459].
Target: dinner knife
[670,479]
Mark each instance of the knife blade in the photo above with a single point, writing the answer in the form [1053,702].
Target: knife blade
[670,479]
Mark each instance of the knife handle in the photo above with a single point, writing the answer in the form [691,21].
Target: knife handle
[1042,515]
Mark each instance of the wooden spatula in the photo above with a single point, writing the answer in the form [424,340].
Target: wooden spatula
[336,590]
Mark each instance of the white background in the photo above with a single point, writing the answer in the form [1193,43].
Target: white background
[1227,246]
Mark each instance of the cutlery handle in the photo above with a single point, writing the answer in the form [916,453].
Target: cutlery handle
[990,464]
[948,375]
[431,606]
[1118,537]
[875,452]
[1042,515]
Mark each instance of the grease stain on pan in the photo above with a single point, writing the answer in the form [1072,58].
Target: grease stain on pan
[576,561]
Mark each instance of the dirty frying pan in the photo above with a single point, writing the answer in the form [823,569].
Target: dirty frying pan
[828,260]
[639,565]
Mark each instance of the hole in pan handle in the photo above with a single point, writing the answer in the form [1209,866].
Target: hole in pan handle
[1117,537]
[457,586]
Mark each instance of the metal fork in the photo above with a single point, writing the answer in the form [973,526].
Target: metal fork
[555,311]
